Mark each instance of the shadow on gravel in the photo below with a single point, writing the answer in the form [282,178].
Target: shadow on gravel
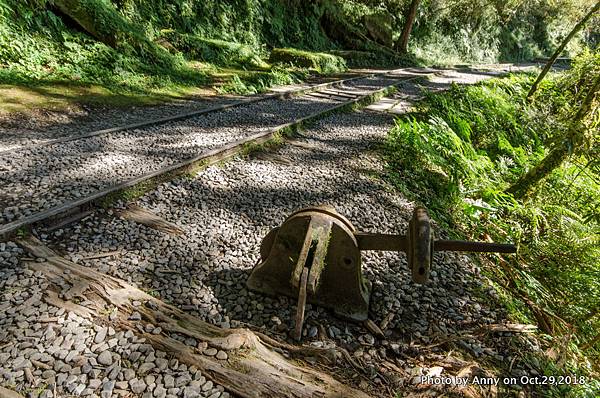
[446,307]
[242,305]
[83,166]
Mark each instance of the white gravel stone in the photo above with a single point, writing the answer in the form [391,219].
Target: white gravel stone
[101,335]
[105,358]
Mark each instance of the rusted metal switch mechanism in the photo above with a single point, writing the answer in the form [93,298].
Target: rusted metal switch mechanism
[315,256]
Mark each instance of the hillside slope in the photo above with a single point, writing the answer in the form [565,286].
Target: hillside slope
[169,48]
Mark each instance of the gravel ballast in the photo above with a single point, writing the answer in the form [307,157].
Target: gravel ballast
[55,353]
[43,125]
[44,177]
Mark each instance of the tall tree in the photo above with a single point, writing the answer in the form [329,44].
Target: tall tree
[409,21]
[560,48]
[575,139]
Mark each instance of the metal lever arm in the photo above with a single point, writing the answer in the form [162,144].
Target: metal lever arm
[385,242]
[465,246]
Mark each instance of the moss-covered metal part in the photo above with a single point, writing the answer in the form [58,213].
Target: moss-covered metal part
[321,240]
[315,256]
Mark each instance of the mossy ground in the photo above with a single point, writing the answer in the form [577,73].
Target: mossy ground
[31,98]
[320,62]
[49,61]
[64,96]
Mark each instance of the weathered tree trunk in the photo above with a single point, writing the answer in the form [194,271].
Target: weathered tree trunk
[257,365]
[573,141]
[560,49]
[350,36]
[525,184]
[6,393]
[94,17]
[145,217]
[410,16]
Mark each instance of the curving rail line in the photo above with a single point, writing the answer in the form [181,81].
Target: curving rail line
[336,95]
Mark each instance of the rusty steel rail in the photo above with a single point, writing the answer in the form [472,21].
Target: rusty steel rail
[203,159]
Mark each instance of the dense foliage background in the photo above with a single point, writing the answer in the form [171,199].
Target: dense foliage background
[144,45]
[460,153]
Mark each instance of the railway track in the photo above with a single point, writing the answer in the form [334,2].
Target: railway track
[185,115]
[62,178]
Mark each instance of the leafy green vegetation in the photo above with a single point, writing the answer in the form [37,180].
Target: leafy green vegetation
[130,49]
[38,48]
[460,153]
[126,59]
[450,32]
[219,52]
[243,82]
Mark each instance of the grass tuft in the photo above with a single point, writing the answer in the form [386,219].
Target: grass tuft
[320,62]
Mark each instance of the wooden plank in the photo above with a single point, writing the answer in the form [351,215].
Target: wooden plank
[339,93]
[113,254]
[321,95]
[145,217]
[271,157]
[6,393]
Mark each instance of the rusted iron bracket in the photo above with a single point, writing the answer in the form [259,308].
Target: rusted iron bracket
[315,256]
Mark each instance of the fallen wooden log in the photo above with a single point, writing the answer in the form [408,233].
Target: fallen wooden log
[254,366]
[6,393]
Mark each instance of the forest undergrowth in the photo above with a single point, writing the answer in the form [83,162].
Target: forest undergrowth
[145,52]
[122,52]
[459,154]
